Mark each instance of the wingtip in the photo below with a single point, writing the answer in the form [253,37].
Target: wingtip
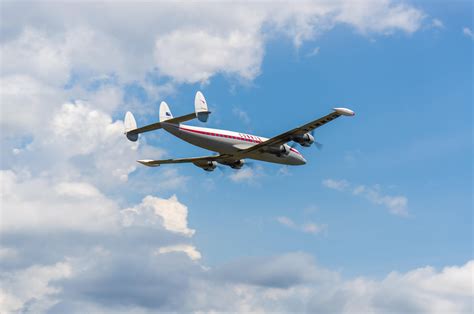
[345,112]
[147,162]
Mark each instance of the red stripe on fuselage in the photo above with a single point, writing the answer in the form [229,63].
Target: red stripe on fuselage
[229,136]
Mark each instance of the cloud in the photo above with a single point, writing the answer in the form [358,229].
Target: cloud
[339,185]
[281,271]
[137,269]
[313,52]
[314,228]
[437,23]
[171,211]
[396,204]
[187,249]
[33,283]
[188,43]
[194,56]
[77,142]
[108,282]
[247,174]
[307,227]
[38,204]
[241,114]
[468,32]
[26,104]
[35,212]
[286,221]
[380,16]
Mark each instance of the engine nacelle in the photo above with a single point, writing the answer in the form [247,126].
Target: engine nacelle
[282,150]
[305,140]
[237,164]
[234,164]
[206,165]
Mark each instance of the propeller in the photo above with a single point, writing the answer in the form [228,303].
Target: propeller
[317,144]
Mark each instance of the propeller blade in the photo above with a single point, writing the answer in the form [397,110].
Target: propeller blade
[318,145]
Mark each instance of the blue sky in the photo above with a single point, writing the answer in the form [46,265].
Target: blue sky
[388,196]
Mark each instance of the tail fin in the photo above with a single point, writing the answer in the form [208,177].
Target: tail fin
[130,124]
[200,107]
[200,111]
[165,112]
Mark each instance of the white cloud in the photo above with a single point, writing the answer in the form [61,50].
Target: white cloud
[313,52]
[79,142]
[196,55]
[288,282]
[247,174]
[437,23]
[6,252]
[31,284]
[468,32]
[313,228]
[339,185]
[373,16]
[35,53]
[396,204]
[306,227]
[286,221]
[241,114]
[26,104]
[189,250]
[39,204]
[188,43]
[107,99]
[171,211]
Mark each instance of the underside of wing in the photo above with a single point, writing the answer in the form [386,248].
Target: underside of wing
[156,163]
[207,163]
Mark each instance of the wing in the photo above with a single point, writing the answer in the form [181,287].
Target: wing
[156,163]
[308,127]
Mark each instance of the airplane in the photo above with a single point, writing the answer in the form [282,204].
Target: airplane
[232,147]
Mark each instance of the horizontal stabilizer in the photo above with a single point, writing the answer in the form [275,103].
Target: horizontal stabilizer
[146,128]
[158,125]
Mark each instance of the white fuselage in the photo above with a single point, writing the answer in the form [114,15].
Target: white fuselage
[229,142]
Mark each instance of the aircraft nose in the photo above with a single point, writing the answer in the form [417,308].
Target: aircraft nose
[303,161]
[299,160]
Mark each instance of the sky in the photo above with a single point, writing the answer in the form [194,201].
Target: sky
[379,220]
